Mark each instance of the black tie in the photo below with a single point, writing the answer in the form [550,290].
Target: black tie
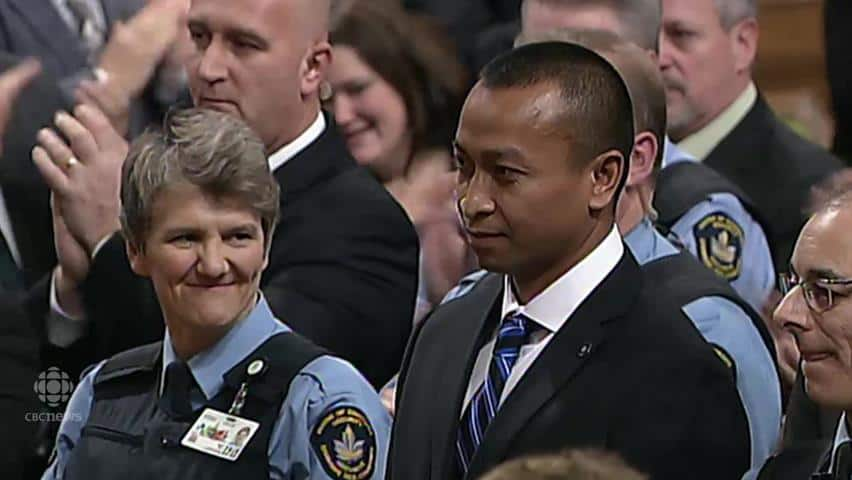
[179,381]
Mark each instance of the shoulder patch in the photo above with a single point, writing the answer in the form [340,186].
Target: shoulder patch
[719,244]
[345,442]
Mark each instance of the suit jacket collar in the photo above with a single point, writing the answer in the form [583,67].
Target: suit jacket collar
[326,157]
[560,361]
[49,27]
[744,149]
[469,321]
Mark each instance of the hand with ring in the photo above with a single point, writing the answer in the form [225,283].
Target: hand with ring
[84,172]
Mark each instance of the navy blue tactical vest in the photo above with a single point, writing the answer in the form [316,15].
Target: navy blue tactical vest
[685,184]
[127,435]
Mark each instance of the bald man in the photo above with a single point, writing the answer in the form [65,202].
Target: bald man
[343,263]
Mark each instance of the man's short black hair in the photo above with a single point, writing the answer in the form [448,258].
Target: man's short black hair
[597,116]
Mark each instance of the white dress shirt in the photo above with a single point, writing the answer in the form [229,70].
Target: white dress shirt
[301,142]
[550,309]
[63,329]
[7,231]
[840,437]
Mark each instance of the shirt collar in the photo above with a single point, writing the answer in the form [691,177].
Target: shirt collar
[209,366]
[552,307]
[285,153]
[702,142]
[673,154]
[841,436]
[646,243]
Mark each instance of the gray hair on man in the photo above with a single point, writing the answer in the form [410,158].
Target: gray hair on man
[640,19]
[214,151]
[732,12]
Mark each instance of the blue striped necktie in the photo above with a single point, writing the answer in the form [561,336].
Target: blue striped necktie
[514,333]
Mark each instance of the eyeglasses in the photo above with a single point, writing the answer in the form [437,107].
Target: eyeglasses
[818,294]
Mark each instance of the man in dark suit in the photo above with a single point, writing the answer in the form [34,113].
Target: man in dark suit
[37,29]
[19,346]
[28,237]
[707,53]
[343,263]
[816,310]
[565,346]
[70,38]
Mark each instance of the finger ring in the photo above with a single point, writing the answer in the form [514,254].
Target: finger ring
[71,162]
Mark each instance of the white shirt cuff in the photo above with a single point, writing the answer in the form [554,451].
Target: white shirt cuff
[62,329]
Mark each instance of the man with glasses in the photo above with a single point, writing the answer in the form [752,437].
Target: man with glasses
[817,311]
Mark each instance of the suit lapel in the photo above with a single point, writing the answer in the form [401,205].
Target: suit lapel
[324,158]
[49,27]
[467,323]
[562,359]
[744,149]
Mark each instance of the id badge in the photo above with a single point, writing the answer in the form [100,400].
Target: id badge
[219,434]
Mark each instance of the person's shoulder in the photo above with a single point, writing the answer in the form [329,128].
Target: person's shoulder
[332,411]
[719,315]
[333,376]
[722,320]
[726,202]
[475,292]
[718,212]
[465,285]
[664,326]
[809,158]
[358,196]
[330,387]
[681,357]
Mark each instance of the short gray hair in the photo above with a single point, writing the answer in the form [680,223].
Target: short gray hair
[641,19]
[732,12]
[214,151]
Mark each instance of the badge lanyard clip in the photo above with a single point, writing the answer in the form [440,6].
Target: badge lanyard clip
[255,369]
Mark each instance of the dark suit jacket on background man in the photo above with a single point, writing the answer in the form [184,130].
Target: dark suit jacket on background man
[776,168]
[627,372]
[34,28]
[24,191]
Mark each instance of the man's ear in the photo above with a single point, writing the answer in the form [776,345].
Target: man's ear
[642,158]
[606,171]
[138,262]
[314,68]
[744,37]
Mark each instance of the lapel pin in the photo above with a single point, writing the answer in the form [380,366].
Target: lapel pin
[584,350]
[256,367]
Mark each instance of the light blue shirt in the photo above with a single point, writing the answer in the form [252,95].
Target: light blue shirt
[756,278]
[324,385]
[723,323]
